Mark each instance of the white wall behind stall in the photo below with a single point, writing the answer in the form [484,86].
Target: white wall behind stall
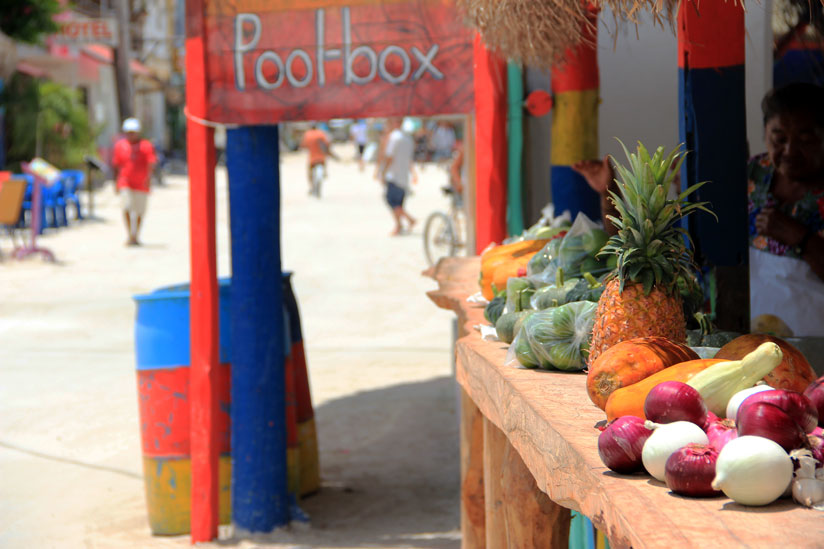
[639,80]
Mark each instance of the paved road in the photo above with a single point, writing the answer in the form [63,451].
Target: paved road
[378,355]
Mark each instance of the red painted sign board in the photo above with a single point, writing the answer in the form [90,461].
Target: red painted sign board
[276,60]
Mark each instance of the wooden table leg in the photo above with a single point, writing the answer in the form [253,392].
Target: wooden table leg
[518,514]
[472,475]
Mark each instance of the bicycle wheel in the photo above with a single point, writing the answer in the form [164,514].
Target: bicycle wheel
[317,179]
[438,237]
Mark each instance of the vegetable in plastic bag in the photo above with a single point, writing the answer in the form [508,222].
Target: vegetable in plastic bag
[575,253]
[509,323]
[518,292]
[557,337]
[586,289]
[552,295]
[494,309]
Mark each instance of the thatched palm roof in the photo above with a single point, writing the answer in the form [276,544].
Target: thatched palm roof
[539,31]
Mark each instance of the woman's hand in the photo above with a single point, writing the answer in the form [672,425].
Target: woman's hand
[598,174]
[775,224]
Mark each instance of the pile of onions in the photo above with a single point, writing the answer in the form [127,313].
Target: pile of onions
[781,416]
[666,439]
[673,401]
[740,396]
[815,392]
[720,432]
[691,470]
[621,443]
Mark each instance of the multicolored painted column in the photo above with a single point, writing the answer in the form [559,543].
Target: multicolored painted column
[260,500]
[515,191]
[713,127]
[490,147]
[574,135]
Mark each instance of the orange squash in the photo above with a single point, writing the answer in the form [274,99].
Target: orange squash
[631,361]
[793,374]
[503,255]
[629,400]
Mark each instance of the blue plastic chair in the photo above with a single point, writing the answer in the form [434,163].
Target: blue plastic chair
[54,202]
[74,183]
[26,218]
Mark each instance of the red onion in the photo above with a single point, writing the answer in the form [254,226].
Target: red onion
[711,418]
[621,443]
[691,469]
[768,420]
[721,432]
[673,401]
[817,447]
[818,431]
[796,405]
[815,392]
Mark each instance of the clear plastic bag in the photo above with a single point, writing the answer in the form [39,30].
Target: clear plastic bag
[555,338]
[574,253]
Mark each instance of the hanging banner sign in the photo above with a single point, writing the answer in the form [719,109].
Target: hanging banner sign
[276,60]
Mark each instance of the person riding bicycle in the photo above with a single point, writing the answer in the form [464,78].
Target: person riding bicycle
[316,142]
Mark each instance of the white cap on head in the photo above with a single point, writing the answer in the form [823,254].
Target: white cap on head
[131,125]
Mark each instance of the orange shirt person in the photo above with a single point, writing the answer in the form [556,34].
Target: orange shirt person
[133,160]
[317,145]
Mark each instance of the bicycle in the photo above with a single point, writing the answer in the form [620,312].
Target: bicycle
[444,234]
[318,175]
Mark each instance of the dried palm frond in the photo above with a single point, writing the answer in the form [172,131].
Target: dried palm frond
[538,32]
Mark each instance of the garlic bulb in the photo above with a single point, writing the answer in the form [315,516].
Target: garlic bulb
[807,489]
[753,470]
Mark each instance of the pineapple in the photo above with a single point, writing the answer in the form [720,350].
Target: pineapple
[642,297]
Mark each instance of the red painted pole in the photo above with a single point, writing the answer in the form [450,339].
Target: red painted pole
[490,147]
[204,292]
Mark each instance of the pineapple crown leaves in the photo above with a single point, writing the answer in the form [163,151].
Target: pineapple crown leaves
[650,246]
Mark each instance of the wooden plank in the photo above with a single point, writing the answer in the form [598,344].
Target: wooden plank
[204,291]
[494,516]
[549,420]
[532,519]
[473,534]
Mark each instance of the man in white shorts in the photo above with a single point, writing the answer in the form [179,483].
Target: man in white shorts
[133,160]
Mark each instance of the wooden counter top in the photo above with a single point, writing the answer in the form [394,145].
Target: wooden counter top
[549,419]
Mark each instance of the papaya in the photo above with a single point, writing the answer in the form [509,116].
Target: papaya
[500,256]
[631,361]
[629,400]
[793,374]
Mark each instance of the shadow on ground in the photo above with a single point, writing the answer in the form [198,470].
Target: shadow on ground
[391,482]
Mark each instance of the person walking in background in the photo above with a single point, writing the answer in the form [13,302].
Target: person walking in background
[317,144]
[133,161]
[395,171]
[359,132]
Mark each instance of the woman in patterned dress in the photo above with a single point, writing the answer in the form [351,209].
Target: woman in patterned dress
[786,210]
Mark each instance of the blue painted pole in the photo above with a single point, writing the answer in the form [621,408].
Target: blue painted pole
[259,492]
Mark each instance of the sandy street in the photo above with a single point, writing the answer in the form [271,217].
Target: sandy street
[378,353]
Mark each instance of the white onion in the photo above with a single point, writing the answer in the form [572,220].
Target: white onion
[753,470]
[738,398]
[664,441]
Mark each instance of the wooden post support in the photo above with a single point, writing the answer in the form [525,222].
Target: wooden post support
[203,378]
[518,514]
[473,534]
[122,60]
[260,500]
[490,147]
[575,124]
[713,127]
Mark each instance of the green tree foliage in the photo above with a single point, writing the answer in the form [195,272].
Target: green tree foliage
[54,112]
[28,20]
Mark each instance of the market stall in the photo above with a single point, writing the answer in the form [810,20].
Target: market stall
[541,422]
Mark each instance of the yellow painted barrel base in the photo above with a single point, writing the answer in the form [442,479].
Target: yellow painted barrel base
[309,463]
[169,493]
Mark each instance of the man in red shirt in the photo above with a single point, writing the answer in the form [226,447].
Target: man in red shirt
[133,160]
